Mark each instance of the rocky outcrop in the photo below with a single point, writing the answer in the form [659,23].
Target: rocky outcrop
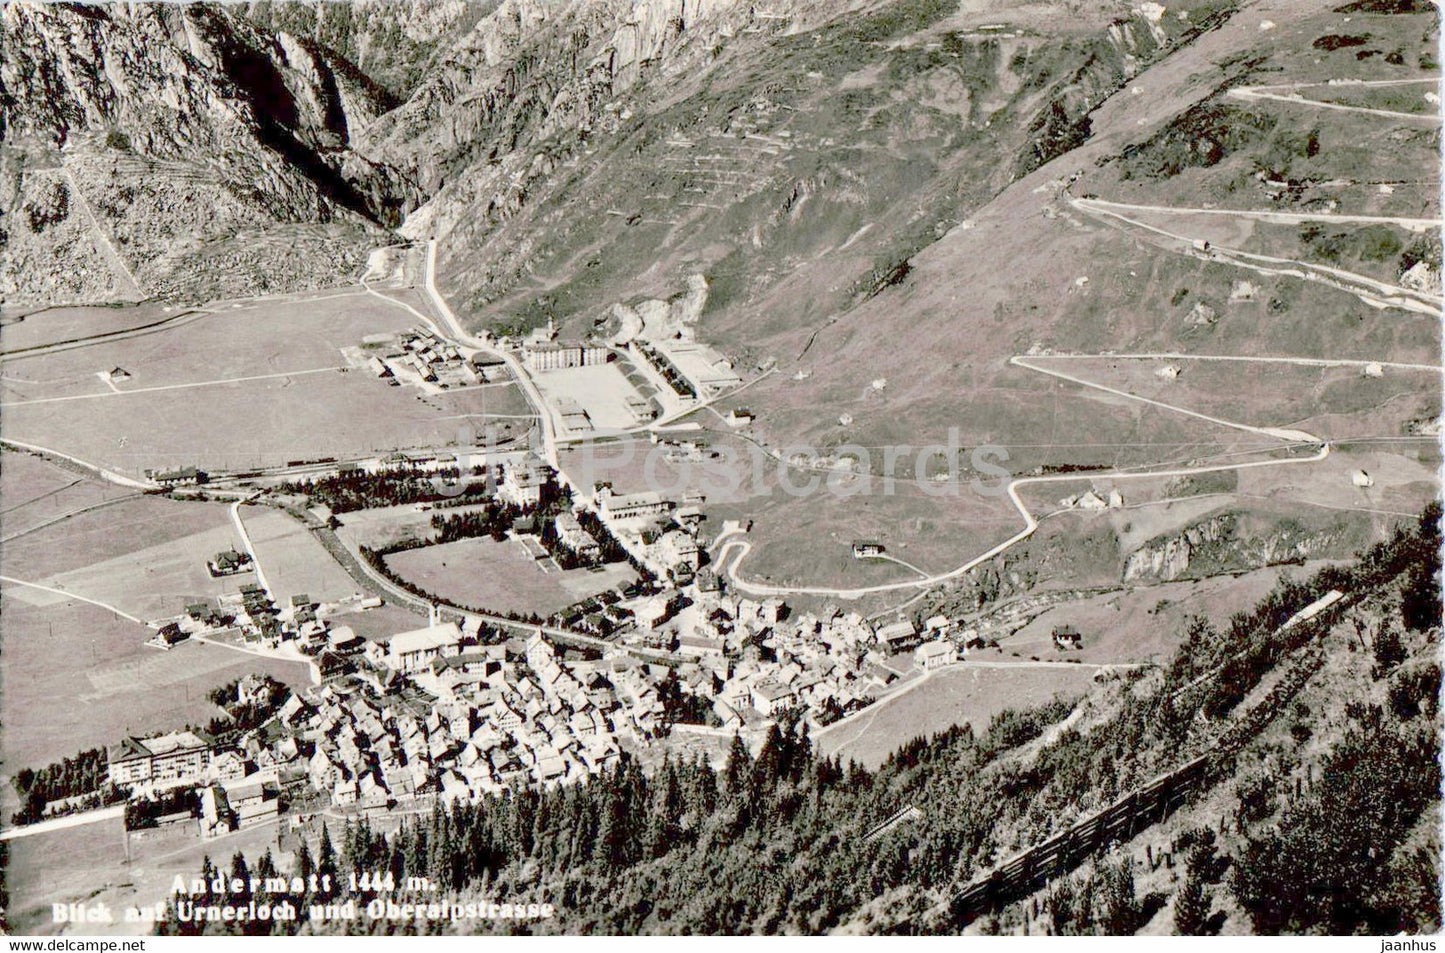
[1222,544]
[1129,45]
[1169,558]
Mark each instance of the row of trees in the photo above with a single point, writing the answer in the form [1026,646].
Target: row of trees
[79,780]
[79,774]
[360,490]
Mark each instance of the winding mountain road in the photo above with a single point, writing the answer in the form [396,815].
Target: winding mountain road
[731,549]
[1380,294]
[1281,93]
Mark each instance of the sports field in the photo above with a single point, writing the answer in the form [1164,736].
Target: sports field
[602,390]
[385,526]
[499,576]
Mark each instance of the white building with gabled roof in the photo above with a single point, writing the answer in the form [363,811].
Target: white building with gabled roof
[413,651]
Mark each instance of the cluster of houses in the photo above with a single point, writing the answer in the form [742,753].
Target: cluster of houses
[252,618]
[247,614]
[494,716]
[436,713]
[232,793]
[660,532]
[759,662]
[1093,500]
[420,358]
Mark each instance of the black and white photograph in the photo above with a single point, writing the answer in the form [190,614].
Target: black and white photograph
[731,468]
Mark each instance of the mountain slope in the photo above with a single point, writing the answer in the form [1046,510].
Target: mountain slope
[166,132]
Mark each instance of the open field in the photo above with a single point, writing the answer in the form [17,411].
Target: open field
[152,582]
[146,556]
[144,550]
[495,575]
[959,695]
[292,560]
[807,537]
[1143,624]
[1405,476]
[250,385]
[808,540]
[70,865]
[76,676]
[36,493]
[87,864]
[386,526]
[53,325]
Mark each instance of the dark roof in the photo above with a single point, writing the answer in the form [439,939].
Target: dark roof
[128,750]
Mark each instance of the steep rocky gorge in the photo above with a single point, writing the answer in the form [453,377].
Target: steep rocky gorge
[170,129]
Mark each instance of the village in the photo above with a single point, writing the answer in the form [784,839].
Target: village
[442,714]
[480,700]
[473,704]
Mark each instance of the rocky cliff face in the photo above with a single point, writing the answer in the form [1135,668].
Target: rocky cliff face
[533,72]
[1225,544]
[553,145]
[395,43]
[170,129]
[748,140]
[606,150]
